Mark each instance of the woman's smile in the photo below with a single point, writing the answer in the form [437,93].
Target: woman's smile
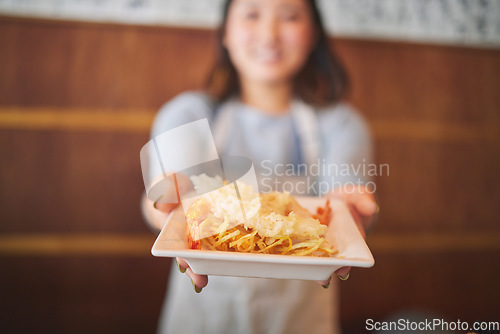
[267,55]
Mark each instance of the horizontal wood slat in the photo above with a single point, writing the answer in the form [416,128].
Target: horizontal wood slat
[77,119]
[140,245]
[79,244]
[140,121]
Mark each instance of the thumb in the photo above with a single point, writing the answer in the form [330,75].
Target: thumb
[165,207]
[366,205]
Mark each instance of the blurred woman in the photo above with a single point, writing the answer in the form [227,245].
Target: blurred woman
[275,96]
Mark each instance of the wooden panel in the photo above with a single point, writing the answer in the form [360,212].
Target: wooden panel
[440,187]
[118,66]
[92,65]
[52,244]
[76,101]
[451,286]
[81,294]
[71,181]
[423,82]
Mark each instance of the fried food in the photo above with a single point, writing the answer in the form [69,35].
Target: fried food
[240,220]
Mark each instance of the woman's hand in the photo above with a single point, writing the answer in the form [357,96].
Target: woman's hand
[360,201]
[157,214]
[165,207]
[162,209]
[363,207]
[198,281]
[182,183]
[342,273]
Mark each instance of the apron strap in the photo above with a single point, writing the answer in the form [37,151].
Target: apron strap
[303,116]
[222,123]
[306,123]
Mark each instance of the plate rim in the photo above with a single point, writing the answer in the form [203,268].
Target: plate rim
[255,258]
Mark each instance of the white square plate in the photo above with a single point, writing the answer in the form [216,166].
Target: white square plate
[342,232]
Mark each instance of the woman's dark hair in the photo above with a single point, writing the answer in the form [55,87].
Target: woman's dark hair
[323,79]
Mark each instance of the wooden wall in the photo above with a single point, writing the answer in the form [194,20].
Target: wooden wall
[76,103]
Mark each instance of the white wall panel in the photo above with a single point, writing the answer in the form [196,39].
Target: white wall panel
[461,22]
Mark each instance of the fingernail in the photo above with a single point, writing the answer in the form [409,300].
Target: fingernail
[345,277]
[156,202]
[197,290]
[182,270]
[371,206]
[378,209]
[327,285]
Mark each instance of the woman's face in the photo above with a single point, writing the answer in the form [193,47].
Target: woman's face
[269,40]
